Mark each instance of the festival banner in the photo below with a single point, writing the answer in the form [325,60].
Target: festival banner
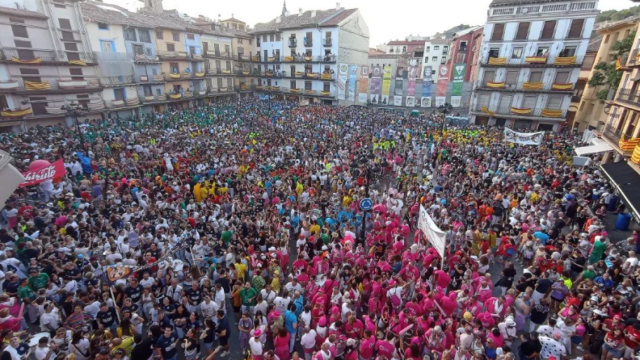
[411,101]
[386,84]
[353,75]
[44,172]
[342,81]
[431,231]
[397,100]
[441,88]
[459,71]
[523,138]
[376,75]
[412,76]
[364,85]
[397,90]
[427,81]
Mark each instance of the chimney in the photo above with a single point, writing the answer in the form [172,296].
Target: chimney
[300,12]
[278,20]
[337,6]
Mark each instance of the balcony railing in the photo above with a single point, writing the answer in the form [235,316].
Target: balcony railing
[50,84]
[326,42]
[217,54]
[171,55]
[531,61]
[29,56]
[310,59]
[117,80]
[628,97]
[308,42]
[195,57]
[612,134]
[143,58]
[243,57]
[293,42]
[634,59]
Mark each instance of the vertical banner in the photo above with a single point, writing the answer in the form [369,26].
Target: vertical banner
[459,71]
[441,88]
[427,81]
[397,89]
[364,85]
[342,81]
[386,84]
[412,76]
[353,75]
[411,101]
[376,75]
[397,100]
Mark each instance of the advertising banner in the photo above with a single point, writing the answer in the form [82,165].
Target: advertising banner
[397,90]
[459,71]
[425,102]
[523,138]
[411,101]
[440,100]
[412,76]
[386,84]
[343,69]
[427,81]
[443,81]
[44,172]
[364,85]
[353,75]
[376,78]
[397,100]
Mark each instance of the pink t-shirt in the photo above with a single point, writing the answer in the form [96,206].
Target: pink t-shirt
[384,348]
[366,347]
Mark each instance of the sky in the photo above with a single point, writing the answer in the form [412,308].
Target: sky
[387,21]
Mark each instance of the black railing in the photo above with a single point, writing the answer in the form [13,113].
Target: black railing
[628,97]
[293,42]
[326,42]
[612,134]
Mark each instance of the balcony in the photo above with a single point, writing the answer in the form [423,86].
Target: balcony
[533,62]
[242,57]
[145,59]
[569,8]
[35,57]
[310,59]
[217,54]
[179,76]
[326,42]
[308,42]
[462,49]
[195,57]
[634,59]
[628,97]
[614,135]
[293,42]
[144,79]
[173,55]
[53,86]
[9,85]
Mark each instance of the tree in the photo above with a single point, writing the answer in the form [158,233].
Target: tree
[605,73]
[615,15]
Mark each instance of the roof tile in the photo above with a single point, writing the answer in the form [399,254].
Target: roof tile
[23,13]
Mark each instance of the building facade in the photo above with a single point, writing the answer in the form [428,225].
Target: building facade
[591,109]
[462,50]
[436,52]
[530,62]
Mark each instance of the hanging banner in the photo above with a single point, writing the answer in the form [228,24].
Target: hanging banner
[411,101]
[412,76]
[441,88]
[535,138]
[397,89]
[427,81]
[353,75]
[459,71]
[117,272]
[432,232]
[376,76]
[364,85]
[386,84]
[41,170]
[342,81]
[397,100]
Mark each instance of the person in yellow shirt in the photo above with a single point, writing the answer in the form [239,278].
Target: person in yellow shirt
[315,229]
[204,192]
[196,192]
[125,344]
[241,269]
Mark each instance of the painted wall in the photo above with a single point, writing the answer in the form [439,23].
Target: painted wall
[167,38]
[37,31]
[99,36]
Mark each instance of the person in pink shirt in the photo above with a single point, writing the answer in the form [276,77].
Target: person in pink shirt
[367,345]
[324,353]
[385,347]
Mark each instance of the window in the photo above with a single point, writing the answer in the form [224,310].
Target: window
[530,102]
[523,31]
[505,104]
[326,86]
[175,68]
[548,30]
[391,50]
[427,49]
[308,39]
[568,51]
[460,57]
[19,31]
[118,94]
[498,32]
[535,76]
[542,51]
[144,35]
[264,38]
[219,83]
[588,62]
[176,36]
[130,34]
[512,77]
[445,50]
[562,77]
[517,53]
[76,74]
[494,52]
[147,91]
[555,102]
[74,47]
[27,72]
[106,46]
[22,44]
[228,65]
[271,37]
[278,37]
[138,49]
[443,60]
[293,83]
[575,31]
[39,105]
[229,84]
[227,49]
[65,24]
[434,59]
[463,46]
[191,36]
[307,85]
[489,76]
[103,26]
[606,39]
[159,34]
[171,47]
[436,48]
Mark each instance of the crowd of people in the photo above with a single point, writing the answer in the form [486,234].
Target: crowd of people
[236,230]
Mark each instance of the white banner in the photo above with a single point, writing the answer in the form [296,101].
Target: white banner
[432,232]
[425,102]
[362,97]
[411,101]
[456,101]
[440,100]
[343,71]
[523,138]
[397,100]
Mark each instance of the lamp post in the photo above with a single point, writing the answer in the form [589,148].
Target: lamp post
[73,110]
[365,162]
[444,110]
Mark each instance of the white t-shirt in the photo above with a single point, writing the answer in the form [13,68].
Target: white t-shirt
[256,346]
[308,340]
[41,353]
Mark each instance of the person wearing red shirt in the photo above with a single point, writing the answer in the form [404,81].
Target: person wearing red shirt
[353,328]
[631,339]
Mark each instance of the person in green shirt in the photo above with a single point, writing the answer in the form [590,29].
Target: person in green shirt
[24,291]
[37,280]
[248,296]
[257,281]
[588,273]
[226,236]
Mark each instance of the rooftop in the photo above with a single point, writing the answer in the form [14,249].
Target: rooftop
[521,2]
[405,42]
[605,27]
[232,19]
[22,13]
[331,17]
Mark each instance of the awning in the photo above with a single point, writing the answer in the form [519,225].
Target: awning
[593,149]
[626,180]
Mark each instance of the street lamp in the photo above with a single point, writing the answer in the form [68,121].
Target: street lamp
[73,110]
[365,162]
[444,110]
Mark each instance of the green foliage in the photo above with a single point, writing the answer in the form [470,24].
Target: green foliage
[603,94]
[624,45]
[605,74]
[615,15]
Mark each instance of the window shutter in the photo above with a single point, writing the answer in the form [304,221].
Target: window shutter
[484,100]
[555,102]
[548,30]
[523,31]
[505,104]
[530,102]
[576,28]
[512,77]
[498,32]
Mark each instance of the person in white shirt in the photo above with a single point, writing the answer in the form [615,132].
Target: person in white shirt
[308,342]
[93,308]
[208,308]
[220,298]
[281,303]
[256,345]
[12,348]
[268,294]
[293,286]
[44,351]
